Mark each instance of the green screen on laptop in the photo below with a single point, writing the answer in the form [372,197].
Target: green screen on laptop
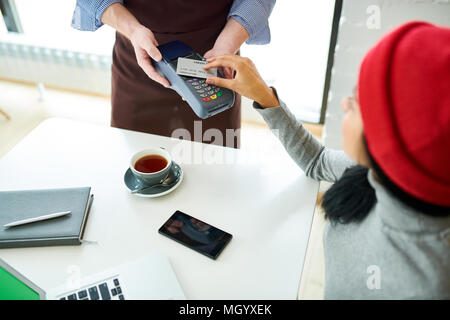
[14,289]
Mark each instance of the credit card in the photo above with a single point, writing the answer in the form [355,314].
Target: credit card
[194,68]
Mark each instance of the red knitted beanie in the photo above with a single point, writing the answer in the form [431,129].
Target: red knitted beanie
[404,96]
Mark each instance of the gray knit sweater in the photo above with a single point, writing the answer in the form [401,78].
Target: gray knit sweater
[394,253]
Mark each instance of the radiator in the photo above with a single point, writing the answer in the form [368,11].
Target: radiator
[23,61]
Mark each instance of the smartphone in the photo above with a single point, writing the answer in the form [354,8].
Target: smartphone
[196,234]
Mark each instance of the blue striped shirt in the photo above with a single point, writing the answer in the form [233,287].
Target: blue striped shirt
[253,15]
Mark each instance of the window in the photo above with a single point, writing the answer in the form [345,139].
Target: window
[295,61]
[49,22]
[51,52]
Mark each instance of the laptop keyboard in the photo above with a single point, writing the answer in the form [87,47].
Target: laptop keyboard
[106,290]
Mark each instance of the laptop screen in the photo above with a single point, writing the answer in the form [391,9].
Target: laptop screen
[14,289]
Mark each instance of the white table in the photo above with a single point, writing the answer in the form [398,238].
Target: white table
[263,200]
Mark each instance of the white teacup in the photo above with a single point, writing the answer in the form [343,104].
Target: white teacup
[151,178]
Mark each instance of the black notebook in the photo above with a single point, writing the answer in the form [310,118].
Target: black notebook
[65,230]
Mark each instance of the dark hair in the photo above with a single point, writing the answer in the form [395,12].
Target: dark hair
[352,197]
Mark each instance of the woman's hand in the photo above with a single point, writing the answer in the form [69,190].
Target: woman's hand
[247,81]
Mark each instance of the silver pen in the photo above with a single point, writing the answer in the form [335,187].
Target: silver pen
[40,218]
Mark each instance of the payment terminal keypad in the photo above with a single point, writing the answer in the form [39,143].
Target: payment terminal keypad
[204,99]
[205,91]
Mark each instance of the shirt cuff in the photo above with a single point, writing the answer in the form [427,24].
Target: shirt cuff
[261,37]
[88,14]
[253,16]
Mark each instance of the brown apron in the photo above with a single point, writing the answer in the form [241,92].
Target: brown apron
[141,104]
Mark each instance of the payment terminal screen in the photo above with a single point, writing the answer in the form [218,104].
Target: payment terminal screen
[14,289]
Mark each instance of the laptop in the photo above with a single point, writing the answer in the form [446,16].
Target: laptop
[148,278]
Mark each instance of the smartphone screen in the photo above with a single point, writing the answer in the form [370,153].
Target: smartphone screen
[195,234]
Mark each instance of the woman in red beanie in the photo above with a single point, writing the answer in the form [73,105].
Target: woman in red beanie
[389,236]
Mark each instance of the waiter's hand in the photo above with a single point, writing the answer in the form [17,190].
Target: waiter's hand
[216,51]
[143,40]
[230,39]
[247,81]
[145,47]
